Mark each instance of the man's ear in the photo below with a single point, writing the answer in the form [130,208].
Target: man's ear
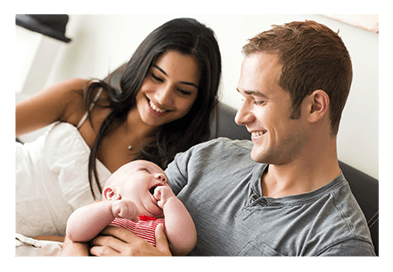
[319,105]
[110,194]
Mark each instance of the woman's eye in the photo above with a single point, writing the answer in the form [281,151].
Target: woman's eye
[156,78]
[258,102]
[184,92]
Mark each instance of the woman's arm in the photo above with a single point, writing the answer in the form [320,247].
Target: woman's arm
[49,238]
[60,102]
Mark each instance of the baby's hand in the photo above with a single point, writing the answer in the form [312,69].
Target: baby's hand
[162,194]
[125,209]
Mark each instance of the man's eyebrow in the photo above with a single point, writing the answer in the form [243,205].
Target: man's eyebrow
[254,93]
[181,82]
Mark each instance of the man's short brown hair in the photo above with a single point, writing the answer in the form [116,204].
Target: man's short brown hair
[313,57]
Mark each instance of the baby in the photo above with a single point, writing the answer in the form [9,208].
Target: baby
[136,197]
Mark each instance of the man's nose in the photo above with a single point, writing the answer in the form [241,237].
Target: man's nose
[244,115]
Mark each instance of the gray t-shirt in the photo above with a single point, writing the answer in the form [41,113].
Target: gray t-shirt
[219,184]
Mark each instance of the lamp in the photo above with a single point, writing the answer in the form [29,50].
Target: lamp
[53,26]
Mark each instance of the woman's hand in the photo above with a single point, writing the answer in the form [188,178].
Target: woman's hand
[116,241]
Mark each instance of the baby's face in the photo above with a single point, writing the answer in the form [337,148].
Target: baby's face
[136,181]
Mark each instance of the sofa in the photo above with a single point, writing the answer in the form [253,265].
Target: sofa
[363,186]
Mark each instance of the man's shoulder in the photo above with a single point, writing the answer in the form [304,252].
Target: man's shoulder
[209,160]
[222,142]
[217,151]
[348,226]
[221,148]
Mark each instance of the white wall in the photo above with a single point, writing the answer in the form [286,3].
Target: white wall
[103,42]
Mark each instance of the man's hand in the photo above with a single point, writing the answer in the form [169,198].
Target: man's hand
[74,248]
[116,241]
[125,209]
[162,194]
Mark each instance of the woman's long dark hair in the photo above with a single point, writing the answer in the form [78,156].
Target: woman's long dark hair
[188,37]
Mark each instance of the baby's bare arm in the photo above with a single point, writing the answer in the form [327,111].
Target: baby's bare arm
[87,222]
[179,226]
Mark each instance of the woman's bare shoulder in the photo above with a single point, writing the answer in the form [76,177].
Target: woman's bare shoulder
[74,95]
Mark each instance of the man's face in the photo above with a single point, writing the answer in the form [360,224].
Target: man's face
[266,111]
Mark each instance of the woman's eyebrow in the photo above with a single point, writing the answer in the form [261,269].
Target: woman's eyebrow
[181,82]
[162,71]
[189,83]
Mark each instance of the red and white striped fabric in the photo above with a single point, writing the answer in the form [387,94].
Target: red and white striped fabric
[145,228]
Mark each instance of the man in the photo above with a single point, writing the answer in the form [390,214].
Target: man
[289,197]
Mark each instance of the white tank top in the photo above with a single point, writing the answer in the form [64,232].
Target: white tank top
[52,179]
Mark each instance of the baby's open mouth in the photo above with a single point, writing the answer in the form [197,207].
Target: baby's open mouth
[151,190]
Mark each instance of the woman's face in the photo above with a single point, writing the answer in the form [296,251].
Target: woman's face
[169,89]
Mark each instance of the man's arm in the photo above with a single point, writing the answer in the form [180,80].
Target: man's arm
[352,247]
[71,248]
[87,222]
[179,226]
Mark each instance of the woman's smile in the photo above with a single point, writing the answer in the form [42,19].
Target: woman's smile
[156,110]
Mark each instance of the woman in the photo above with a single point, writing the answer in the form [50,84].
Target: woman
[167,94]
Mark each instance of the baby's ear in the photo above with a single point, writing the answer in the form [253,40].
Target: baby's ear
[110,194]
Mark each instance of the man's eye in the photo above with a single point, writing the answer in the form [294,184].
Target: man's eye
[259,102]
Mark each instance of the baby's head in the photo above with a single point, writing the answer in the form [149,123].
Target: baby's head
[136,181]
